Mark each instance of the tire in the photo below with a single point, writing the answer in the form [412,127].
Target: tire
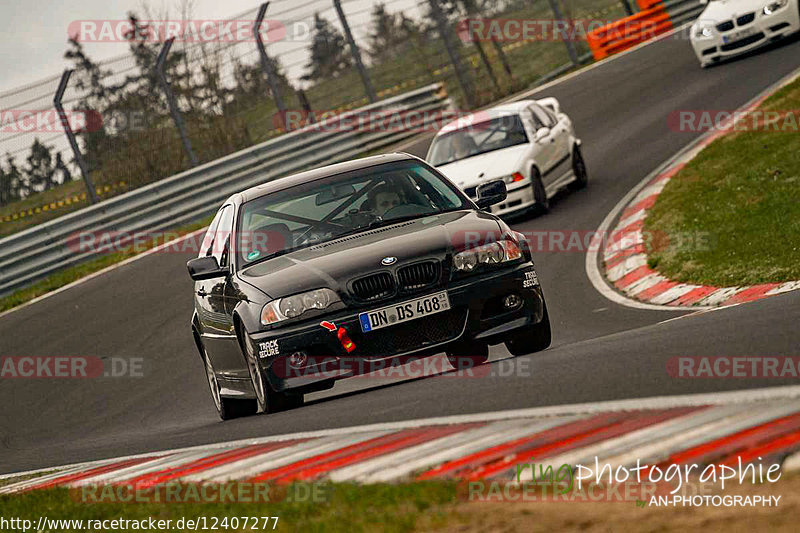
[531,339]
[267,400]
[227,408]
[539,193]
[465,356]
[579,169]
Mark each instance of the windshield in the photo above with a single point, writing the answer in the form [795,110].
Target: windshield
[476,139]
[339,205]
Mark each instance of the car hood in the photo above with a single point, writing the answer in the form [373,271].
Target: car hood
[333,264]
[721,10]
[485,167]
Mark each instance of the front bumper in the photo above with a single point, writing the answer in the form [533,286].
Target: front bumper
[476,315]
[763,30]
[520,197]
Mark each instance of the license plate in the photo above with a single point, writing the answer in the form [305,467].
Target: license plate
[404,311]
[733,37]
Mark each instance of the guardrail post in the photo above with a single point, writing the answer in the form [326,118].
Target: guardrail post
[573,54]
[356,53]
[461,74]
[173,106]
[627,6]
[76,151]
[266,65]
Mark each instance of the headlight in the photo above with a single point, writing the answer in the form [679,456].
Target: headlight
[772,7]
[703,31]
[513,178]
[294,306]
[488,254]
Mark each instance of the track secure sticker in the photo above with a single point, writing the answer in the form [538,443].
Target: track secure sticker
[268,348]
[253,255]
[530,280]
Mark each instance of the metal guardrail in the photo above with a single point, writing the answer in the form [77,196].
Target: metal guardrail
[33,254]
[682,11]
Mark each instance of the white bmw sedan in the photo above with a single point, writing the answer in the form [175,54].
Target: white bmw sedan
[727,28]
[530,144]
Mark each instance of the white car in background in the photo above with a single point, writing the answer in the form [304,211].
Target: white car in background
[728,28]
[530,144]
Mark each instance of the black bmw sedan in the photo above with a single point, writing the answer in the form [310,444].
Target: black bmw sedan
[314,277]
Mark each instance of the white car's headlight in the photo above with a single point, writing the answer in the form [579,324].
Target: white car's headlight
[294,306]
[488,254]
[513,178]
[774,6]
[703,31]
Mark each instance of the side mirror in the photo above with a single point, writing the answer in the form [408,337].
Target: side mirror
[491,193]
[541,134]
[201,268]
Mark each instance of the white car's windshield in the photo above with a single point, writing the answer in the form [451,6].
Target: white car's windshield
[476,139]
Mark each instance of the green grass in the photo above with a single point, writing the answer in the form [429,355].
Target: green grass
[340,507]
[741,197]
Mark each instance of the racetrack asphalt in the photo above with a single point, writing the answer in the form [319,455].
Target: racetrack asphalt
[601,350]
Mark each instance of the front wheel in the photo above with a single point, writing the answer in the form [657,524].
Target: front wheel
[267,399]
[227,408]
[530,339]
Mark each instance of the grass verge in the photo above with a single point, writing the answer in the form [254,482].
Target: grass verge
[426,506]
[732,214]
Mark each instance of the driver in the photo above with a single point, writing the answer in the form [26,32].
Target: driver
[462,146]
[383,198]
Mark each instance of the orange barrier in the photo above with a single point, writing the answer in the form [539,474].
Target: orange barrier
[647,4]
[628,32]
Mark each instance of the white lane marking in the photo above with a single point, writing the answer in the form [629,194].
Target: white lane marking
[103,271]
[404,462]
[674,293]
[635,217]
[278,458]
[655,402]
[650,190]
